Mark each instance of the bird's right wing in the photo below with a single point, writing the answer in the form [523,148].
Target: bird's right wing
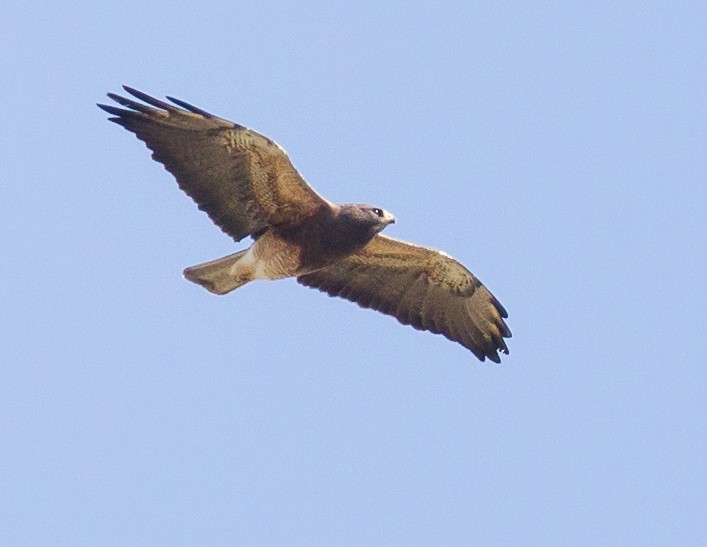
[421,287]
[244,181]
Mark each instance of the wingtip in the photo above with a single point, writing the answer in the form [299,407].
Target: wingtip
[493,356]
[130,90]
[115,97]
[493,351]
[148,99]
[110,109]
[188,106]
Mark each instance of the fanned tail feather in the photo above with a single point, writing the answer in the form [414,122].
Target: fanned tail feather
[217,275]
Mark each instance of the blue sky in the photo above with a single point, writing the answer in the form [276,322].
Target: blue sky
[556,148]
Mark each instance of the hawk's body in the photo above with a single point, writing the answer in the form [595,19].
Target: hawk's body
[248,187]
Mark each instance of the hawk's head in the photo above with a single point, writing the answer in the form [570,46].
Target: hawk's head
[364,221]
[377,216]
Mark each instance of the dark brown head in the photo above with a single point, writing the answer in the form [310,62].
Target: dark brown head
[363,222]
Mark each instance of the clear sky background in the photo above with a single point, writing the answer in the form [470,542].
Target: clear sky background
[556,148]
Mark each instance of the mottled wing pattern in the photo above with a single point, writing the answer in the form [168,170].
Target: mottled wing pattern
[420,287]
[244,181]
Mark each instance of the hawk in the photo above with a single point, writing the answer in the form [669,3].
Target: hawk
[247,185]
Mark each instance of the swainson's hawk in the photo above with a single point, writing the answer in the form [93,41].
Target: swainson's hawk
[248,187]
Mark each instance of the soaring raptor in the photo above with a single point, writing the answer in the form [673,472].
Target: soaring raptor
[247,185]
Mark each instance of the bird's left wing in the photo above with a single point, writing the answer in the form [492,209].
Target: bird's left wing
[244,181]
[421,287]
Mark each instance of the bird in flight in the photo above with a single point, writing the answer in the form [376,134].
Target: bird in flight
[247,185]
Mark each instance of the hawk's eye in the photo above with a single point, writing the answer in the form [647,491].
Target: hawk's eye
[377,211]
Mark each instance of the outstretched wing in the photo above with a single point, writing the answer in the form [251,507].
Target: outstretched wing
[421,287]
[244,181]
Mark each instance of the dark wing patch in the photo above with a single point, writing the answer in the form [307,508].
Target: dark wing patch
[420,287]
[244,181]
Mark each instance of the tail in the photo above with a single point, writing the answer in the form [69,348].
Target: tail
[217,276]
